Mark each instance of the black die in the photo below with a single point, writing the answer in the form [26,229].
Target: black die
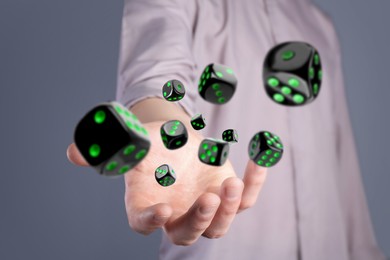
[165,175]
[213,152]
[174,134]
[173,90]
[198,122]
[292,73]
[111,139]
[265,149]
[217,84]
[230,135]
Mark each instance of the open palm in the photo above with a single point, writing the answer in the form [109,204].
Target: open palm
[203,201]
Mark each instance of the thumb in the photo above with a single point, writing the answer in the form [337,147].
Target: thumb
[74,156]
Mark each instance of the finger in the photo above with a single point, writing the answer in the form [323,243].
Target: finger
[231,191]
[254,179]
[145,221]
[188,228]
[75,156]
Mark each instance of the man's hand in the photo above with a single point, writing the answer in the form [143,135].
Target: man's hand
[203,201]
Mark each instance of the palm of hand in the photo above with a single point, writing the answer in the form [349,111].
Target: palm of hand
[193,177]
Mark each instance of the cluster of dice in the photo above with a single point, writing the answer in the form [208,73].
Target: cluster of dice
[113,141]
[214,88]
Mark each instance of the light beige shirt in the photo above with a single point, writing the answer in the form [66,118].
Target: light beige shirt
[313,204]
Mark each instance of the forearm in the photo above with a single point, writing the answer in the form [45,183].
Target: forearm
[157,109]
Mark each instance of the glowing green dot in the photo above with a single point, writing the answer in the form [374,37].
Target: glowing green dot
[214,148]
[286,90]
[221,100]
[193,123]
[119,109]
[278,97]
[129,124]
[212,159]
[203,76]
[273,82]
[172,132]
[141,154]
[320,74]
[208,75]
[208,152]
[129,149]
[264,157]
[100,116]
[169,84]
[230,71]
[276,155]
[137,127]
[205,146]
[215,86]
[279,145]
[260,162]
[315,88]
[143,130]
[203,156]
[218,93]
[174,127]
[316,59]
[272,160]
[207,69]
[124,169]
[200,89]
[178,143]
[311,73]
[94,150]
[288,55]
[201,126]
[269,142]
[268,152]
[177,122]
[268,164]
[293,82]
[219,74]
[111,166]
[178,87]
[298,98]
[165,94]
[267,134]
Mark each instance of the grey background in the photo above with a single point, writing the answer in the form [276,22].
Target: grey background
[59,58]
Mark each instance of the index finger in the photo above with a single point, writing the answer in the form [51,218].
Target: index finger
[254,179]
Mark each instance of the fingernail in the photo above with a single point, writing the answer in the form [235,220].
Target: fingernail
[206,210]
[232,193]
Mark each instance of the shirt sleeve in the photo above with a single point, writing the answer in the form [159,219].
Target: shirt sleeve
[155,46]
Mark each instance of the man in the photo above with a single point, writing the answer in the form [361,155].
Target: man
[312,205]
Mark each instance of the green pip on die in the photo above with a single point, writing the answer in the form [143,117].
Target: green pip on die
[265,149]
[292,73]
[111,139]
[165,175]
[217,84]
